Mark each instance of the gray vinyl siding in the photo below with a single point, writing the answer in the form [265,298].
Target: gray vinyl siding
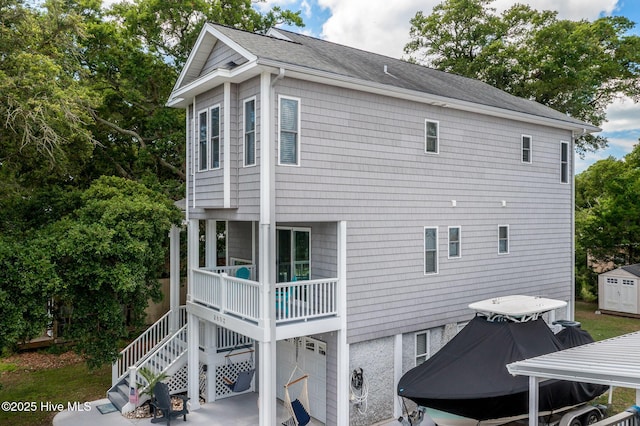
[220,56]
[363,161]
[244,181]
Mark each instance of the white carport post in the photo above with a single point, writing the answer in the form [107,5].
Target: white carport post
[533,400]
[193,323]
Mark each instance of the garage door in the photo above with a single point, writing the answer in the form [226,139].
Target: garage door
[312,359]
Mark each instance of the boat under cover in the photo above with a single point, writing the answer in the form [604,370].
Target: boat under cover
[468,376]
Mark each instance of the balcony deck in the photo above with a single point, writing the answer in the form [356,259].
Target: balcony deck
[301,307]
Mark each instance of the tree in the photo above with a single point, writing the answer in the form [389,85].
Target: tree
[607,217]
[108,254]
[576,67]
[43,103]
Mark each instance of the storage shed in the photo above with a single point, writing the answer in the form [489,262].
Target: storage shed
[618,290]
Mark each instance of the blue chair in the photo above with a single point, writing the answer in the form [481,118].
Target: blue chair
[243,273]
[282,298]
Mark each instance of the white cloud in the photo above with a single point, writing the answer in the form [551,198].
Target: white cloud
[622,115]
[380,26]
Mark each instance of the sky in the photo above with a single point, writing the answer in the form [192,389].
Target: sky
[382,26]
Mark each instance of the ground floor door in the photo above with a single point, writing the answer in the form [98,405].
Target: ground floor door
[311,357]
[621,295]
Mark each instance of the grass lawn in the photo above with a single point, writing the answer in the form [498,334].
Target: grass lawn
[604,327]
[47,380]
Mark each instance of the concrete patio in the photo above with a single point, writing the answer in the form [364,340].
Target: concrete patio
[241,410]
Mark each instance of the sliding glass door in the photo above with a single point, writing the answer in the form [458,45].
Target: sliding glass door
[293,254]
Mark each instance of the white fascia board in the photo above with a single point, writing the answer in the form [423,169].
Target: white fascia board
[323,77]
[203,42]
[180,98]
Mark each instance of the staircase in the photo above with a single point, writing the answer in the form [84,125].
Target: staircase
[157,350]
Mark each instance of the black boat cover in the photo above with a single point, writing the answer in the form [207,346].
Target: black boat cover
[469,377]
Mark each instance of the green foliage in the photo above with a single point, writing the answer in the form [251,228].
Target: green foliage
[608,215]
[100,258]
[151,378]
[27,281]
[576,67]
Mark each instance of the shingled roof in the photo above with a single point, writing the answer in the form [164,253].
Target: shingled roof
[633,269]
[289,50]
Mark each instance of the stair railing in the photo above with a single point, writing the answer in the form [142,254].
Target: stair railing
[137,350]
[163,357]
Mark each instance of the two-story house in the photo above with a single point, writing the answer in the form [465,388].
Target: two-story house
[369,201]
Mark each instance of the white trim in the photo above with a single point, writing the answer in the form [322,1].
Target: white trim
[437,123]
[210,138]
[298,134]
[226,151]
[529,150]
[426,354]
[206,140]
[207,38]
[292,248]
[424,251]
[569,162]
[397,372]
[508,240]
[459,242]
[244,131]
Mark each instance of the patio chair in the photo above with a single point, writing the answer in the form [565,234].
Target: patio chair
[161,401]
[282,298]
[243,381]
[243,273]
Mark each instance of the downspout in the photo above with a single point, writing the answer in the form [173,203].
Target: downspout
[571,314]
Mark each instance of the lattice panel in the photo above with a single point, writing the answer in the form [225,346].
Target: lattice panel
[230,371]
[179,381]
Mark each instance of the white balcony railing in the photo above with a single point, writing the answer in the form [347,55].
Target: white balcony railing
[295,301]
[304,300]
[227,294]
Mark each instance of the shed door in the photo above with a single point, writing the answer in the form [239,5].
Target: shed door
[629,296]
[612,294]
[312,359]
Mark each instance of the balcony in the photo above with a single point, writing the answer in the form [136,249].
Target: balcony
[219,296]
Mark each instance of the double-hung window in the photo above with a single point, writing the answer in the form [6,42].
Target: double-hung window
[454,242]
[526,149]
[202,140]
[289,119]
[430,250]
[215,137]
[564,162]
[503,239]
[431,136]
[250,132]
[423,341]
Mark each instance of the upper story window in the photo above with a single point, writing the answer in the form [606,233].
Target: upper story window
[423,342]
[503,239]
[202,140]
[289,119]
[431,136]
[564,162]
[526,149]
[215,137]
[430,250]
[250,132]
[454,242]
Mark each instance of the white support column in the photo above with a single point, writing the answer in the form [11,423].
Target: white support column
[174,278]
[193,244]
[266,253]
[533,400]
[342,393]
[193,360]
[226,146]
[397,373]
[211,244]
[211,346]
